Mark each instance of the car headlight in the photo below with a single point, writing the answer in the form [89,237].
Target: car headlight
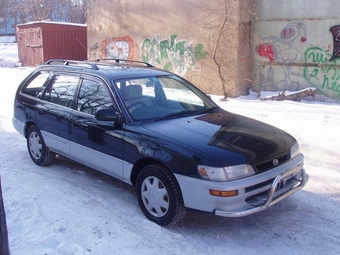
[295,150]
[223,174]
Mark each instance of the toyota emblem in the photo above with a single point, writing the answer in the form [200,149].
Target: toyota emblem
[275,162]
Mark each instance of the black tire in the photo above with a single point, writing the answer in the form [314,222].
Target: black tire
[159,195]
[40,154]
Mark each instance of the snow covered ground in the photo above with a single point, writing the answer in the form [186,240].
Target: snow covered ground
[69,209]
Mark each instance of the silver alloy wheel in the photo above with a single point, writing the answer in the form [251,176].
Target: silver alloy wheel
[155,196]
[35,145]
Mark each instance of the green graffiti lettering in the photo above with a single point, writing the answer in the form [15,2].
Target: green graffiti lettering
[164,48]
[145,48]
[333,87]
[328,70]
[325,81]
[176,56]
[199,53]
[325,76]
[315,72]
[180,47]
[168,66]
[318,57]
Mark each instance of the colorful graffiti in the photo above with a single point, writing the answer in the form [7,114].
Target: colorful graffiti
[336,42]
[320,73]
[176,56]
[284,50]
[118,47]
[322,68]
[266,50]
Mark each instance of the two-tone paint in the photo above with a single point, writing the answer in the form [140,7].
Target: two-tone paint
[218,139]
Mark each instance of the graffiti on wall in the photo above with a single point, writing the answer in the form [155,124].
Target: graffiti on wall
[176,56]
[118,47]
[266,50]
[335,30]
[284,49]
[322,74]
[322,68]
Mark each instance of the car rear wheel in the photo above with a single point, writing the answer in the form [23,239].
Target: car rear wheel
[39,152]
[159,195]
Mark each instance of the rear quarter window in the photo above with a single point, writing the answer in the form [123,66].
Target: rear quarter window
[36,85]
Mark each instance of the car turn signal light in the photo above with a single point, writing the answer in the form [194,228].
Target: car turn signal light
[219,193]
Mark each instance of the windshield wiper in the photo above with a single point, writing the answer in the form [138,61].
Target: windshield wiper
[186,113]
[174,114]
[208,110]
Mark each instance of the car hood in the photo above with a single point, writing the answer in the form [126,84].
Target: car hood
[221,138]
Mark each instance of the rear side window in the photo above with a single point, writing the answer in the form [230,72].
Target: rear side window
[37,84]
[62,90]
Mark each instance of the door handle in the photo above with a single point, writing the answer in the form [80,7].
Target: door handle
[79,124]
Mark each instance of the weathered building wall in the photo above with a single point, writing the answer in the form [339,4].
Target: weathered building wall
[207,42]
[296,44]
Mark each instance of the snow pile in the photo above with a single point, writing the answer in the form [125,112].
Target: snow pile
[9,55]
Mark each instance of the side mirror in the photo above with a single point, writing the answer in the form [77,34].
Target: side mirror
[107,114]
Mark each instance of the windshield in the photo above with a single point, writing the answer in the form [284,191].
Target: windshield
[162,97]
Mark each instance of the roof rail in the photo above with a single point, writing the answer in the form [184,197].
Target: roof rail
[72,62]
[123,61]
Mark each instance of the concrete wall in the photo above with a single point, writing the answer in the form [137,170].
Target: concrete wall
[207,42]
[296,44]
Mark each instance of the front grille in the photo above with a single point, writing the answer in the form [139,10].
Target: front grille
[288,182]
[259,185]
[269,164]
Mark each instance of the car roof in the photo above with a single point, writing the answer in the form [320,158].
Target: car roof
[108,68]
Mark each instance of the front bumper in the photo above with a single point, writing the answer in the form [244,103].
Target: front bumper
[271,199]
[255,193]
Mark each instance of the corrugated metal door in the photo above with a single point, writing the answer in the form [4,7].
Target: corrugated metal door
[65,42]
[30,46]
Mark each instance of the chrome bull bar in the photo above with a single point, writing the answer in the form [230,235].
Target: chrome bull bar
[270,198]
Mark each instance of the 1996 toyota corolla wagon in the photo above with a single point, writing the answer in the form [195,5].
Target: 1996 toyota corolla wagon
[159,133]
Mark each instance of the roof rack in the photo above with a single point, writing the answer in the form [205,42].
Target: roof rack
[123,61]
[72,62]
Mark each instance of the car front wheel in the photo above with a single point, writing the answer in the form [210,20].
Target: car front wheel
[39,152]
[159,195]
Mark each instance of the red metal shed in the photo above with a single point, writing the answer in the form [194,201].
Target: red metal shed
[43,40]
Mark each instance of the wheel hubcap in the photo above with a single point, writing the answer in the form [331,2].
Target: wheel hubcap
[155,196]
[35,145]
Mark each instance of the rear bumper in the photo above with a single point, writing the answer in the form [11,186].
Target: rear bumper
[19,126]
[255,193]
